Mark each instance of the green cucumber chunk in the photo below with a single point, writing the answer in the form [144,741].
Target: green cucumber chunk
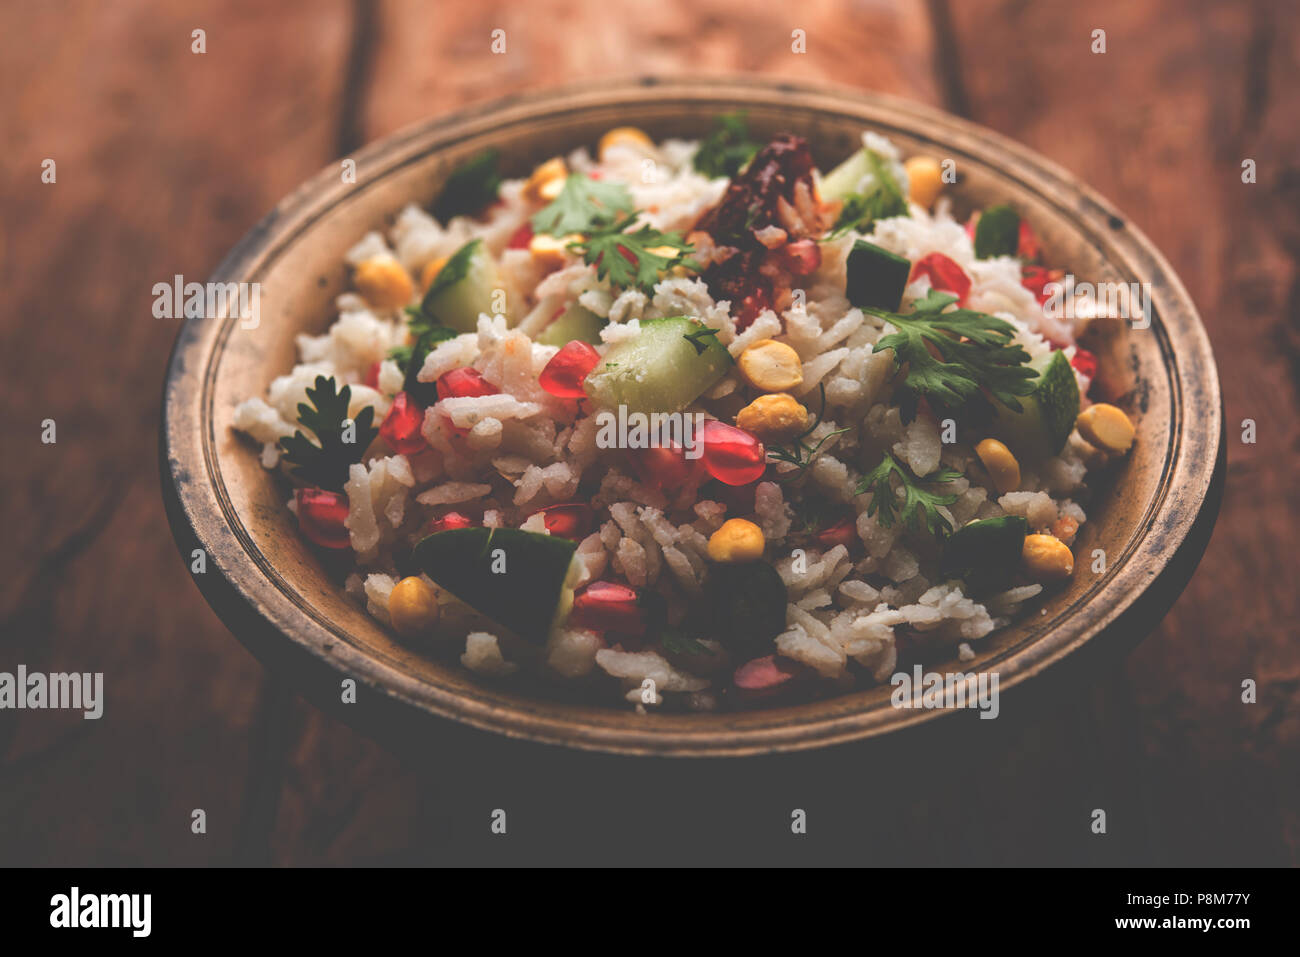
[1041,429]
[666,367]
[747,605]
[843,180]
[576,322]
[985,553]
[463,288]
[876,277]
[997,233]
[520,579]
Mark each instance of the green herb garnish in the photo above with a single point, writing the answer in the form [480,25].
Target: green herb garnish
[727,149]
[633,259]
[473,185]
[584,205]
[978,353]
[697,339]
[886,200]
[326,465]
[920,508]
[997,233]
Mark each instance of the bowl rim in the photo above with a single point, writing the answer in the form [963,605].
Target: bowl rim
[281,627]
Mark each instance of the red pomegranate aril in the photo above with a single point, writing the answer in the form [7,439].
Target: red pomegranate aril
[1085,362]
[608,606]
[752,306]
[1027,245]
[521,237]
[464,383]
[572,520]
[401,427]
[765,674]
[564,374]
[372,374]
[844,532]
[664,466]
[321,517]
[801,257]
[944,274]
[450,520]
[732,455]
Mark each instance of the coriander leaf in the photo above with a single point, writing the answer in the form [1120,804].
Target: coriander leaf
[326,465]
[885,200]
[584,204]
[727,149]
[634,259]
[696,339]
[453,271]
[977,353]
[470,187]
[920,508]
[997,233]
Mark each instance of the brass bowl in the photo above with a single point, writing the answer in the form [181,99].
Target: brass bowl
[1151,517]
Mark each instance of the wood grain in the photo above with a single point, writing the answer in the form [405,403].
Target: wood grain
[166,157]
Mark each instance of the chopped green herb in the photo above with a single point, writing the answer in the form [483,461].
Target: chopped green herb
[326,465]
[727,149]
[584,205]
[470,187]
[978,352]
[697,338]
[633,259]
[997,233]
[886,199]
[920,508]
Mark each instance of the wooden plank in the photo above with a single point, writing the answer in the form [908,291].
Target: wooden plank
[164,158]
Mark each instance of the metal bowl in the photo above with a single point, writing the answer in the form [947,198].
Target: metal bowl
[1151,516]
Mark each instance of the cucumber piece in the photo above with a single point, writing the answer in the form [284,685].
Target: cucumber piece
[747,606]
[463,288]
[576,322]
[669,364]
[533,592]
[985,553]
[1040,430]
[876,277]
[997,233]
[843,180]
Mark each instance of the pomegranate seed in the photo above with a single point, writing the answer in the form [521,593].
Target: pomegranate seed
[1036,278]
[401,427]
[751,306]
[971,224]
[608,606]
[765,674]
[462,383]
[1028,246]
[449,521]
[321,517]
[572,520]
[732,455]
[564,374]
[372,374]
[665,466]
[1085,362]
[802,256]
[944,274]
[844,532]
[521,237]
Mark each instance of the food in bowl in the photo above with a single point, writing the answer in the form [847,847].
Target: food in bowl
[693,424]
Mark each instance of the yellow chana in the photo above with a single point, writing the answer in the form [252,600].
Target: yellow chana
[771,366]
[1047,558]
[624,136]
[773,418]
[1065,528]
[546,181]
[924,180]
[1106,427]
[1001,464]
[383,282]
[549,252]
[412,607]
[738,540]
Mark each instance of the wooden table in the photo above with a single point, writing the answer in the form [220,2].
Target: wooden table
[165,157]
